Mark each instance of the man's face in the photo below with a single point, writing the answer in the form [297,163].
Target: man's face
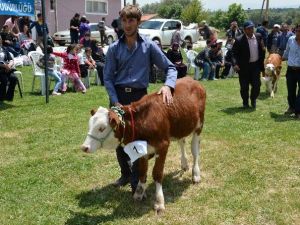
[130,26]
[249,31]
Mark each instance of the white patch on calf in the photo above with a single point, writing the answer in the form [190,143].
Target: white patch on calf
[159,205]
[99,131]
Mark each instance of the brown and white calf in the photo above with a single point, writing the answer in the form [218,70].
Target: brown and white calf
[272,73]
[157,123]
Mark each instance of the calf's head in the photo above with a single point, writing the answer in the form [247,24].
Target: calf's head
[269,69]
[101,131]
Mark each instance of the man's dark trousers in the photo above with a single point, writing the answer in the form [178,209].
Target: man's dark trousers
[249,75]
[125,98]
[292,80]
[74,37]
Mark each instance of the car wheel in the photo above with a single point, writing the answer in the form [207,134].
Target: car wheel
[110,40]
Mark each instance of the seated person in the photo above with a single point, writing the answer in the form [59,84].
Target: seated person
[211,64]
[87,62]
[52,72]
[228,58]
[25,40]
[10,42]
[85,41]
[7,75]
[174,55]
[99,57]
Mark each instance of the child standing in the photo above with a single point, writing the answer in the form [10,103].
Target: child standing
[71,68]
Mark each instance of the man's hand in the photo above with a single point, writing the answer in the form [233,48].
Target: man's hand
[166,94]
[118,104]
[236,68]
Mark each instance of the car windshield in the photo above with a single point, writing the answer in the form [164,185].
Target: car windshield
[154,25]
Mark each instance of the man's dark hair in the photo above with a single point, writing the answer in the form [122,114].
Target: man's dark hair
[39,15]
[131,11]
[77,15]
[178,25]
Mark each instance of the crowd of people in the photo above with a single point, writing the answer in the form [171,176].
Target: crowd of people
[244,52]
[82,55]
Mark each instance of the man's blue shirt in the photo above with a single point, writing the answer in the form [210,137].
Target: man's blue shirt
[126,67]
[292,52]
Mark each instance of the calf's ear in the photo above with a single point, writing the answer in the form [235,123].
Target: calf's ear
[93,111]
[114,120]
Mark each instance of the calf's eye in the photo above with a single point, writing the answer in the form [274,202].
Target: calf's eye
[101,129]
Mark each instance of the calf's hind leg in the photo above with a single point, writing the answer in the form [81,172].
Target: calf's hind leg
[196,153]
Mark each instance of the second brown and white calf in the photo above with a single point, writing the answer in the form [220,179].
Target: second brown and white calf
[272,73]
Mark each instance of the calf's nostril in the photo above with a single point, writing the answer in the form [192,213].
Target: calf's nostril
[84,148]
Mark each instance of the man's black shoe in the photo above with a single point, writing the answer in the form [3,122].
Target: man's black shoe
[245,106]
[122,181]
[289,111]
[253,104]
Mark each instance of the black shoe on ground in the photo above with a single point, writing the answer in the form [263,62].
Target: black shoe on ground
[253,104]
[289,111]
[246,106]
[122,181]
[297,116]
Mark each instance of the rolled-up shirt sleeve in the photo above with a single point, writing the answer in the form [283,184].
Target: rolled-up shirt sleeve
[163,63]
[109,76]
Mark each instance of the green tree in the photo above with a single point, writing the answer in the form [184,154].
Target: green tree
[218,19]
[235,13]
[193,12]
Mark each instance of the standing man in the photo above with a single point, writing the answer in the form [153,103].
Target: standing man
[283,38]
[247,61]
[176,36]
[126,77]
[234,31]
[74,28]
[292,56]
[39,30]
[117,25]
[101,27]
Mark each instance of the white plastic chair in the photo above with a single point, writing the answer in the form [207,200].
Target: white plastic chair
[37,71]
[191,55]
[18,74]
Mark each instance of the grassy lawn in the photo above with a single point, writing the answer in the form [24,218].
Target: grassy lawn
[250,164]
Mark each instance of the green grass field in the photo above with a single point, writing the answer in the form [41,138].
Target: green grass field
[250,164]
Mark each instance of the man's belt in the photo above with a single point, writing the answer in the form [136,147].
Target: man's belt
[130,89]
[297,68]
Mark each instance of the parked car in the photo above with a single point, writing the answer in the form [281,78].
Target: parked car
[63,37]
[163,29]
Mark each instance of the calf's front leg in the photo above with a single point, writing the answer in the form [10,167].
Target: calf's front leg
[139,193]
[159,205]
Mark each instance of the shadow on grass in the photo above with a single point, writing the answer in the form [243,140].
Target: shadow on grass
[4,106]
[264,95]
[118,204]
[281,117]
[235,110]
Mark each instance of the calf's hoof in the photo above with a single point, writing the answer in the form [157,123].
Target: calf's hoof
[196,179]
[159,208]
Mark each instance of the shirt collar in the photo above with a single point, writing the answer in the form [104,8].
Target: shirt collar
[139,37]
[251,38]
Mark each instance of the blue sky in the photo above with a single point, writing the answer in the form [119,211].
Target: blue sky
[223,4]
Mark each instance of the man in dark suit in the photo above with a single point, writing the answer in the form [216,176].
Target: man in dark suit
[248,60]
